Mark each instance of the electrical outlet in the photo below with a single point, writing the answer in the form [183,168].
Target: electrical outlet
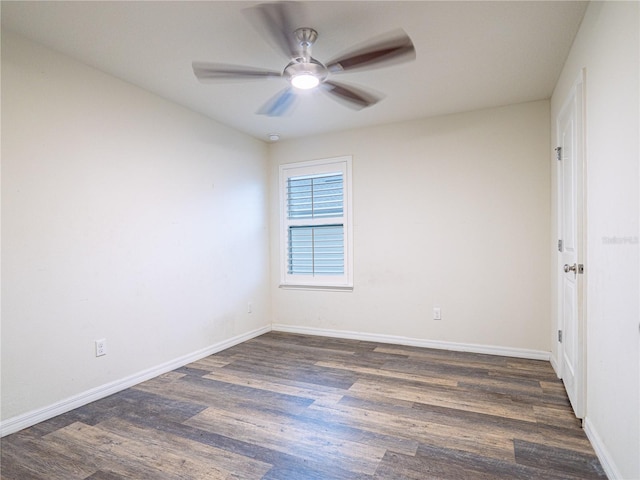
[437,313]
[101,347]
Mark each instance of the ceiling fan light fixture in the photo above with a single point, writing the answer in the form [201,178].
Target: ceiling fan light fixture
[305,81]
[305,75]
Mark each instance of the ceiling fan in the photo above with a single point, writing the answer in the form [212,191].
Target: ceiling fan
[303,72]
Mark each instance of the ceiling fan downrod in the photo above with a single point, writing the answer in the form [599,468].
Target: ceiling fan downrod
[306,37]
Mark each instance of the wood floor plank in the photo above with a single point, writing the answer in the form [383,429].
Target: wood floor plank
[133,403]
[492,404]
[450,464]
[554,416]
[303,421]
[325,419]
[450,361]
[282,462]
[383,373]
[449,417]
[558,437]
[138,458]
[206,392]
[410,428]
[213,361]
[395,466]
[297,370]
[83,444]
[549,458]
[326,395]
[205,456]
[102,475]
[43,462]
[296,407]
[276,433]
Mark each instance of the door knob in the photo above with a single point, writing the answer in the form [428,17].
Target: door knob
[573,268]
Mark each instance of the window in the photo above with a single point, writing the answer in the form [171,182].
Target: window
[315,237]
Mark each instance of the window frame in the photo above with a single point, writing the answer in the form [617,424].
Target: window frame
[317,167]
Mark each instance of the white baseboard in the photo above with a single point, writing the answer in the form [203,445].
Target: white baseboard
[555,365]
[416,342]
[601,450]
[14,424]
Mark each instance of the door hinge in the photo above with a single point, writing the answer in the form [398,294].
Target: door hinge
[560,336]
[559,245]
[558,153]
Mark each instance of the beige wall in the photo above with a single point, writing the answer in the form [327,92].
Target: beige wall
[450,211]
[607,48]
[124,217]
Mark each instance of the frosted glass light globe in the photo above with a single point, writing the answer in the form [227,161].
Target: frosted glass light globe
[305,81]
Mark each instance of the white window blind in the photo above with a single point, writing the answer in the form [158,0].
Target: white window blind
[316,250]
[314,197]
[315,233]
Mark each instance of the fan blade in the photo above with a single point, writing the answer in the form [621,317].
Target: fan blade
[351,96]
[393,48]
[280,104]
[221,71]
[277,23]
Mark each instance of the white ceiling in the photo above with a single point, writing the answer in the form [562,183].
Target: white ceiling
[470,55]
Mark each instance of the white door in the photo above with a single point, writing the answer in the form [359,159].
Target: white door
[571,343]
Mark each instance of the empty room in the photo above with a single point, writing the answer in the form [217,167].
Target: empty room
[320,240]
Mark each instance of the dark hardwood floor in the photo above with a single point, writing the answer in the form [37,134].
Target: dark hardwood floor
[285,406]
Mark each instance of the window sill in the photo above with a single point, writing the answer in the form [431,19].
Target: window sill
[326,288]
